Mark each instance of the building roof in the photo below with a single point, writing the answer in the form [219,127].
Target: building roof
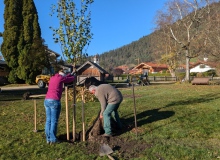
[209,63]
[199,69]
[52,52]
[101,70]
[158,65]
[202,66]
[123,67]
[151,65]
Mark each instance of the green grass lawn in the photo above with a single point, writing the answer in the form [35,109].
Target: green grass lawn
[178,121]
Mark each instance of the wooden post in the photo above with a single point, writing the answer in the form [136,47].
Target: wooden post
[135,119]
[74,106]
[83,115]
[35,109]
[67,114]
[35,115]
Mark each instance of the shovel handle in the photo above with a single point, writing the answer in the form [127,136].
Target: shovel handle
[110,157]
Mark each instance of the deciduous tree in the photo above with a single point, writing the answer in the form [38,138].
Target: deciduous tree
[182,20]
[212,33]
[74,34]
[169,55]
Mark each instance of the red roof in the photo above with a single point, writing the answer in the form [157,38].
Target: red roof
[211,64]
[152,65]
[123,67]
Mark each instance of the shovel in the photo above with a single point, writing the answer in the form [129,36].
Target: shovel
[106,150]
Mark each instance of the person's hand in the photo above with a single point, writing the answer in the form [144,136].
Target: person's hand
[73,73]
[100,116]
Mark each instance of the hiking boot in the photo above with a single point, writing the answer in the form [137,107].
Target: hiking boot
[107,135]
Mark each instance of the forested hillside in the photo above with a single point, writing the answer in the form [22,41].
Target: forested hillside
[137,51]
[151,47]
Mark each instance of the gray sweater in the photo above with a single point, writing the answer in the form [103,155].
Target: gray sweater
[107,94]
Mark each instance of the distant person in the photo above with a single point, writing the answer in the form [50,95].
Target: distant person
[110,98]
[145,74]
[52,104]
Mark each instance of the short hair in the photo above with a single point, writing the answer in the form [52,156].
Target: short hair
[92,87]
[92,81]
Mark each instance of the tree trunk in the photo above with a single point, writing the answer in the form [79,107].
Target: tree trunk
[187,77]
[172,72]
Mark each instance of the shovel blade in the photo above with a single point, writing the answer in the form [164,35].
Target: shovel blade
[105,150]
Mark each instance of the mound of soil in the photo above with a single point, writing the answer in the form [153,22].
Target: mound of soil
[124,148]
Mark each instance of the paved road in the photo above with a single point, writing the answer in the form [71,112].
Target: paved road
[3,88]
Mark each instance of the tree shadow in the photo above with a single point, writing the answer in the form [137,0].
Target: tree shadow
[202,99]
[154,115]
[143,118]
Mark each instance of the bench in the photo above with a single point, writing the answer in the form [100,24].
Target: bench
[200,80]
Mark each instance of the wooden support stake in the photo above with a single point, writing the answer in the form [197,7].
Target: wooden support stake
[67,114]
[35,109]
[35,116]
[135,119]
[74,109]
[83,114]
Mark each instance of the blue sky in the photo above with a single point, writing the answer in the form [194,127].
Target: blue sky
[115,23]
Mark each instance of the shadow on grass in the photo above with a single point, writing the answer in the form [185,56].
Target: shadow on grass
[143,118]
[202,99]
[154,115]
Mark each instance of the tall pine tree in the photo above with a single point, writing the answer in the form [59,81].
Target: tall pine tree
[12,17]
[22,46]
[30,45]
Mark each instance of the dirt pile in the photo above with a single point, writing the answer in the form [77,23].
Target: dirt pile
[124,148]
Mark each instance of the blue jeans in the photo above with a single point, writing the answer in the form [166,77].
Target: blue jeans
[111,110]
[52,108]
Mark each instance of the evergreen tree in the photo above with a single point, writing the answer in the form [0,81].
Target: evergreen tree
[13,22]
[31,49]
[22,46]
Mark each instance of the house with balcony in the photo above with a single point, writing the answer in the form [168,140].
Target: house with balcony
[149,67]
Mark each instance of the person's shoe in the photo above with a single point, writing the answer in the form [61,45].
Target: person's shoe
[106,135]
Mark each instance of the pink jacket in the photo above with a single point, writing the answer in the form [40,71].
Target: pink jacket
[55,87]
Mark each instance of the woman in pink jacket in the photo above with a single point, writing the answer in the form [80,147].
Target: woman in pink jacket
[52,104]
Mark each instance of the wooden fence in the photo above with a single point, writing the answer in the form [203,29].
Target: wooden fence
[158,78]
[150,78]
[162,78]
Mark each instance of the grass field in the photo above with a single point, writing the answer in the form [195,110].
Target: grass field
[176,121]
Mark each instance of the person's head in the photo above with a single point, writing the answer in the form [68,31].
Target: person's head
[92,81]
[92,89]
[61,72]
